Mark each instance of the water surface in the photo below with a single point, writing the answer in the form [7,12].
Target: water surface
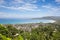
[23,21]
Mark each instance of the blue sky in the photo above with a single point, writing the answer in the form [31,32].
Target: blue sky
[29,8]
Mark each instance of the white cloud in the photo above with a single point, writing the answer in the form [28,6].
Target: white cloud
[34,1]
[58,1]
[17,1]
[51,7]
[9,15]
[15,15]
[1,2]
[46,6]
[43,0]
[31,1]
[27,6]
[52,10]
[24,1]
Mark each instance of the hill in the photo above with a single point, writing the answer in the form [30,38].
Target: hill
[55,18]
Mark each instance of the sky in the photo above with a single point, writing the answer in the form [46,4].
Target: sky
[29,8]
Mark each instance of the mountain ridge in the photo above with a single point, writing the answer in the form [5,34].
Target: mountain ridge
[55,18]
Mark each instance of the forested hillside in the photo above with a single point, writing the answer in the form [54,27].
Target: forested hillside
[47,31]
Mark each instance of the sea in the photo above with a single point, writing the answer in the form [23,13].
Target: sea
[24,21]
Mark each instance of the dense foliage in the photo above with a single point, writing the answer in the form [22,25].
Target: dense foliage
[42,32]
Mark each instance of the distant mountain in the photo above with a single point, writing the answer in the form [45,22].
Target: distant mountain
[56,18]
[51,17]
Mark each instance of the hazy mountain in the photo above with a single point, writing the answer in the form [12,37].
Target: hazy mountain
[51,17]
[56,18]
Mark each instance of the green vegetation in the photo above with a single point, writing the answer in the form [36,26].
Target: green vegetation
[42,32]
